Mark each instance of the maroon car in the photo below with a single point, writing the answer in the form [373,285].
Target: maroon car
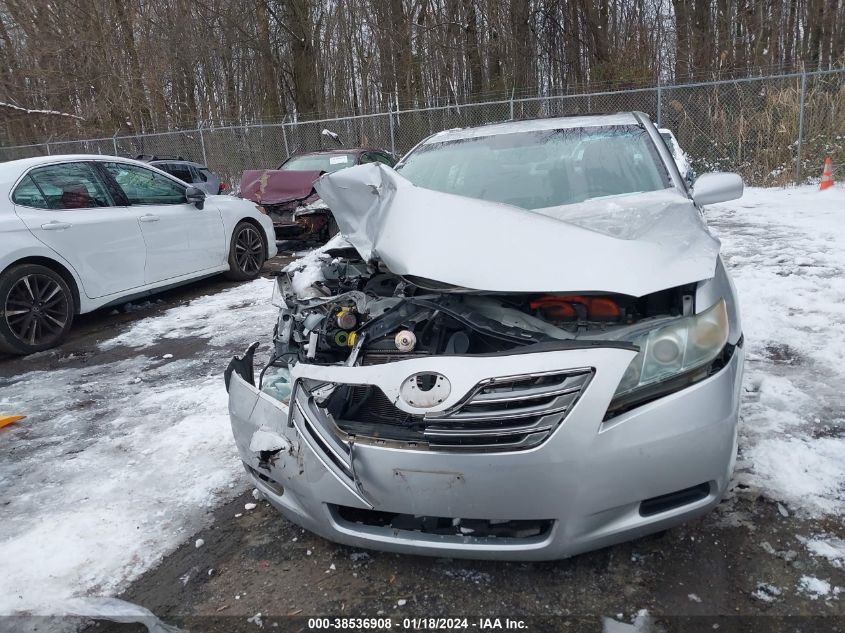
[288,196]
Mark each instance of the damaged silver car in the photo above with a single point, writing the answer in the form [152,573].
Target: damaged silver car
[523,346]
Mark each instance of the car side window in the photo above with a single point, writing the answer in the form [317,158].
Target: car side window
[182,172]
[144,186]
[28,194]
[199,174]
[383,158]
[375,157]
[70,186]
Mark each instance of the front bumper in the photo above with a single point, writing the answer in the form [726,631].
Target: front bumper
[585,483]
[288,226]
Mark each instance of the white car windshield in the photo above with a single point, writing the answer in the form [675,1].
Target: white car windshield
[540,169]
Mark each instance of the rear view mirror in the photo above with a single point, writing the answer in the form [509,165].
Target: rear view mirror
[195,196]
[717,187]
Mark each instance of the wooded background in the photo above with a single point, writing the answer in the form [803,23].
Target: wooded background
[155,65]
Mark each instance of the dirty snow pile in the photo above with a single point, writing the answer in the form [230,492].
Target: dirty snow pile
[786,251]
[118,463]
[308,270]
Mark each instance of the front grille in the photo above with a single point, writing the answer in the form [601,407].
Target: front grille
[507,413]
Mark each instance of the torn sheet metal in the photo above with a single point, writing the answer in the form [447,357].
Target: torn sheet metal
[272,186]
[634,244]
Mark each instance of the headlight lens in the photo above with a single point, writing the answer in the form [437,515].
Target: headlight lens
[677,348]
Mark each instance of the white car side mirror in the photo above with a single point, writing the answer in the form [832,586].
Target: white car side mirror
[195,196]
[717,187]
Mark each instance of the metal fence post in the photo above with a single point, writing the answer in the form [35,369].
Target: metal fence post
[659,103]
[202,145]
[392,134]
[285,137]
[800,127]
[47,144]
[511,103]
[114,142]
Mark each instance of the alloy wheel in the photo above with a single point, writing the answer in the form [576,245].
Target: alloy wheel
[37,309]
[249,250]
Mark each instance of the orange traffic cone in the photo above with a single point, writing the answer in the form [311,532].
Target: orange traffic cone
[827,176]
[10,419]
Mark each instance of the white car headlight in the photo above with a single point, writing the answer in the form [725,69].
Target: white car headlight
[676,349]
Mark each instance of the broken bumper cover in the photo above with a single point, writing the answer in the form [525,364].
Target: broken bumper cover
[297,222]
[588,485]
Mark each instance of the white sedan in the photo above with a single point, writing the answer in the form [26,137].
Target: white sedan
[80,232]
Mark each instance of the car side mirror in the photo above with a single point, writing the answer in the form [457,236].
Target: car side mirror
[717,187]
[195,196]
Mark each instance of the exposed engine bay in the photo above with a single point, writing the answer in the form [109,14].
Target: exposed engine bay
[392,288]
[340,310]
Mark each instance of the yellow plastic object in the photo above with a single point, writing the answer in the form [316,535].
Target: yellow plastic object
[351,340]
[10,419]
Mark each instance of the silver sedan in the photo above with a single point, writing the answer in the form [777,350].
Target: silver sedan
[523,346]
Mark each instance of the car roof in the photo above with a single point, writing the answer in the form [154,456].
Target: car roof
[341,150]
[534,125]
[22,164]
[176,161]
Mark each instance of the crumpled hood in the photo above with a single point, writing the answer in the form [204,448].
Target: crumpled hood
[633,245]
[272,186]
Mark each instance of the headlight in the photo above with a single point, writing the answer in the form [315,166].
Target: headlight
[673,352]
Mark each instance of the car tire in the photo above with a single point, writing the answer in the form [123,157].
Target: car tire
[36,309]
[247,252]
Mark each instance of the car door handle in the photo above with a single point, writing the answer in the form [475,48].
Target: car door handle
[149,218]
[56,226]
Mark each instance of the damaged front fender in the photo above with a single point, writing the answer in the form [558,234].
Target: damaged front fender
[276,453]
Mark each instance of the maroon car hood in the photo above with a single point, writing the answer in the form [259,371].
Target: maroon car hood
[271,186]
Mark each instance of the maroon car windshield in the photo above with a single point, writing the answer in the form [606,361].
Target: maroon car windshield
[319,162]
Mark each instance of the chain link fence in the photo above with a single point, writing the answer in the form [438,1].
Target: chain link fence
[772,130]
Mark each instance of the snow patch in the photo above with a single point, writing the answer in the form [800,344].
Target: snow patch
[831,548]
[266,440]
[766,592]
[782,247]
[814,587]
[211,317]
[308,270]
[105,470]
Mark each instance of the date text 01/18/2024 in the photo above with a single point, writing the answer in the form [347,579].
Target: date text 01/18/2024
[417,624]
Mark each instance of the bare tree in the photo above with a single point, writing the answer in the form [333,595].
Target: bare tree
[125,67]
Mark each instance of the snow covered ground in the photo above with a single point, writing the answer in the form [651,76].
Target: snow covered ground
[120,462]
[786,251]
